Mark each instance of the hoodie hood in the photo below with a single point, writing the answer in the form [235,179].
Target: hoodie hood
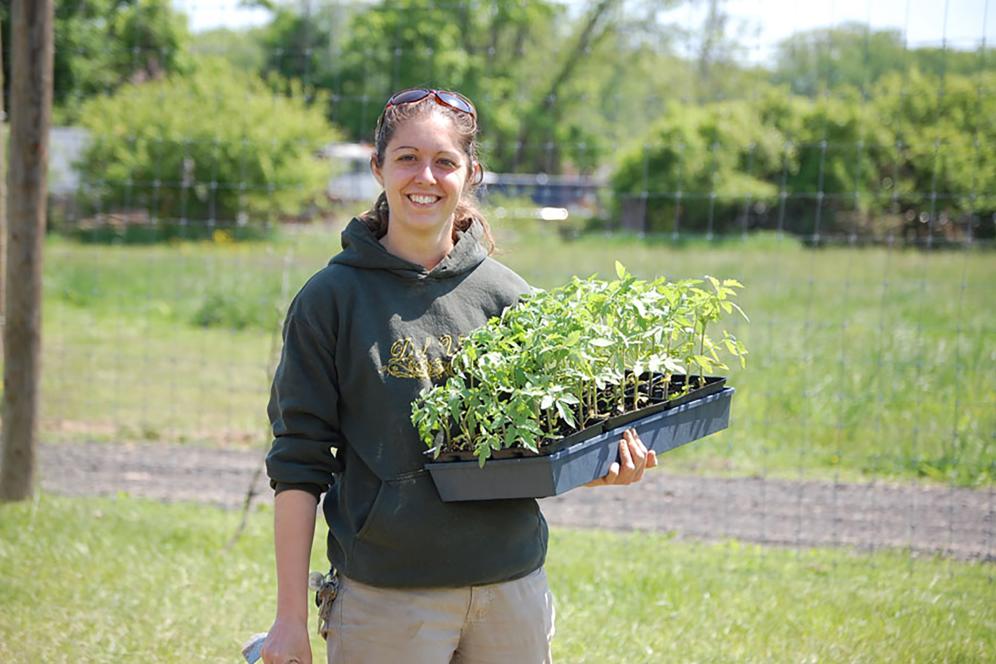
[361,249]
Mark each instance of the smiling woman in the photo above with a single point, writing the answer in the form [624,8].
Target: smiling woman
[426,159]
[363,338]
[424,175]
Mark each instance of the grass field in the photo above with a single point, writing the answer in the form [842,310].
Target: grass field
[128,580]
[864,362]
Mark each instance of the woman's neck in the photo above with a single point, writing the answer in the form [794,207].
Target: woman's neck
[426,250]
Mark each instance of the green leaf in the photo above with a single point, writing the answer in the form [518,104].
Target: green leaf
[566,414]
[703,362]
[742,313]
[620,270]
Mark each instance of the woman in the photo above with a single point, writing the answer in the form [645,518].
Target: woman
[421,581]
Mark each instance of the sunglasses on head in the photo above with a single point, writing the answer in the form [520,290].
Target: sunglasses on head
[453,100]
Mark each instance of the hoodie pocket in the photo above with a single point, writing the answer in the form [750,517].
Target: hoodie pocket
[410,537]
[375,508]
[397,500]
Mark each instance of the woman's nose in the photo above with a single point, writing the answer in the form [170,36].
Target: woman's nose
[425,173]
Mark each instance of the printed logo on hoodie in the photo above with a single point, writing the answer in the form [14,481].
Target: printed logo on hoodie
[409,361]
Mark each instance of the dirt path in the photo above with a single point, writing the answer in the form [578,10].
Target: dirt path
[949,521]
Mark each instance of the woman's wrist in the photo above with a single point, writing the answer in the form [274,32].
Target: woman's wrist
[292,605]
[292,617]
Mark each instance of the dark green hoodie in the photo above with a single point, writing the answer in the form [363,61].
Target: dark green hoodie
[361,339]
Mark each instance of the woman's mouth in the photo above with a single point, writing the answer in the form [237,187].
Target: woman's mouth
[423,200]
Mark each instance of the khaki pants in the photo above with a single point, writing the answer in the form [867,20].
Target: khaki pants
[502,623]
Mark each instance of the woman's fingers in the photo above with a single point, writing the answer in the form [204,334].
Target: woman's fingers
[639,453]
[634,459]
[626,463]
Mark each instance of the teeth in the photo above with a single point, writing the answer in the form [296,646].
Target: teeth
[422,200]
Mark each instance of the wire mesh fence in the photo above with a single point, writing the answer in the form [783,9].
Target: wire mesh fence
[842,170]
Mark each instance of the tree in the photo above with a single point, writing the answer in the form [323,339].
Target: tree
[242,48]
[3,198]
[102,44]
[539,72]
[488,50]
[853,55]
[31,90]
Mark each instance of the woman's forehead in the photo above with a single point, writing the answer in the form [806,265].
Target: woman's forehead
[433,133]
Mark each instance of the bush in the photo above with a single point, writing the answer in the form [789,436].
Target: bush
[217,147]
[236,311]
[942,165]
[701,168]
[918,150]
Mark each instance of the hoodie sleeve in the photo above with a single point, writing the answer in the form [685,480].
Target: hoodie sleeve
[303,408]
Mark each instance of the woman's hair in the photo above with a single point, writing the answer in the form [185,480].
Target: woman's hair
[465,128]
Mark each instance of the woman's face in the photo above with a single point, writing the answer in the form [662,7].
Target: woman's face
[424,174]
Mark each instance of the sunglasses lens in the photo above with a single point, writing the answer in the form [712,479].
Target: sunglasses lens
[456,101]
[408,96]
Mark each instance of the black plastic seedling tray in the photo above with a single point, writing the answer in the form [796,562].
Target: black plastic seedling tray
[579,463]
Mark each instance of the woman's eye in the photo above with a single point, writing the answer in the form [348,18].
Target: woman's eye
[406,157]
[448,163]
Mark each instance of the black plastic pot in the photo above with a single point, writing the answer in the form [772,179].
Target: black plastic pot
[518,452]
[712,385]
[580,462]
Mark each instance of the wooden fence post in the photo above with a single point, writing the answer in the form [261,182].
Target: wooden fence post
[30,117]
[3,197]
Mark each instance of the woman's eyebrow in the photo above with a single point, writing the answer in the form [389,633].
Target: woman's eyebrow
[449,153]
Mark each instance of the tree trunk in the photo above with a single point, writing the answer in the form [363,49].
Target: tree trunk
[712,35]
[30,117]
[549,103]
[3,198]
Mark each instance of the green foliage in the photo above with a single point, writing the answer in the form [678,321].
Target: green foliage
[538,73]
[942,157]
[702,167]
[573,356]
[916,147]
[103,44]
[832,166]
[491,56]
[244,49]
[231,310]
[851,55]
[215,146]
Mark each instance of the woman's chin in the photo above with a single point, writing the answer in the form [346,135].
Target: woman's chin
[426,220]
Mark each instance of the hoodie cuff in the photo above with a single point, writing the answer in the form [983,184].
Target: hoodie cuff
[315,490]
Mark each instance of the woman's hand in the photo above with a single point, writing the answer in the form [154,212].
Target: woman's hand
[634,458]
[287,643]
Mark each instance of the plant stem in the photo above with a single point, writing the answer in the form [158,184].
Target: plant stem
[701,352]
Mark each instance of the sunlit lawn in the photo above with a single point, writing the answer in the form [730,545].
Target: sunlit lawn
[130,580]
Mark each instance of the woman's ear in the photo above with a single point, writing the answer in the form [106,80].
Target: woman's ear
[376,170]
[476,175]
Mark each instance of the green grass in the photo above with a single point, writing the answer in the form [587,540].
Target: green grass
[123,579]
[864,362]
